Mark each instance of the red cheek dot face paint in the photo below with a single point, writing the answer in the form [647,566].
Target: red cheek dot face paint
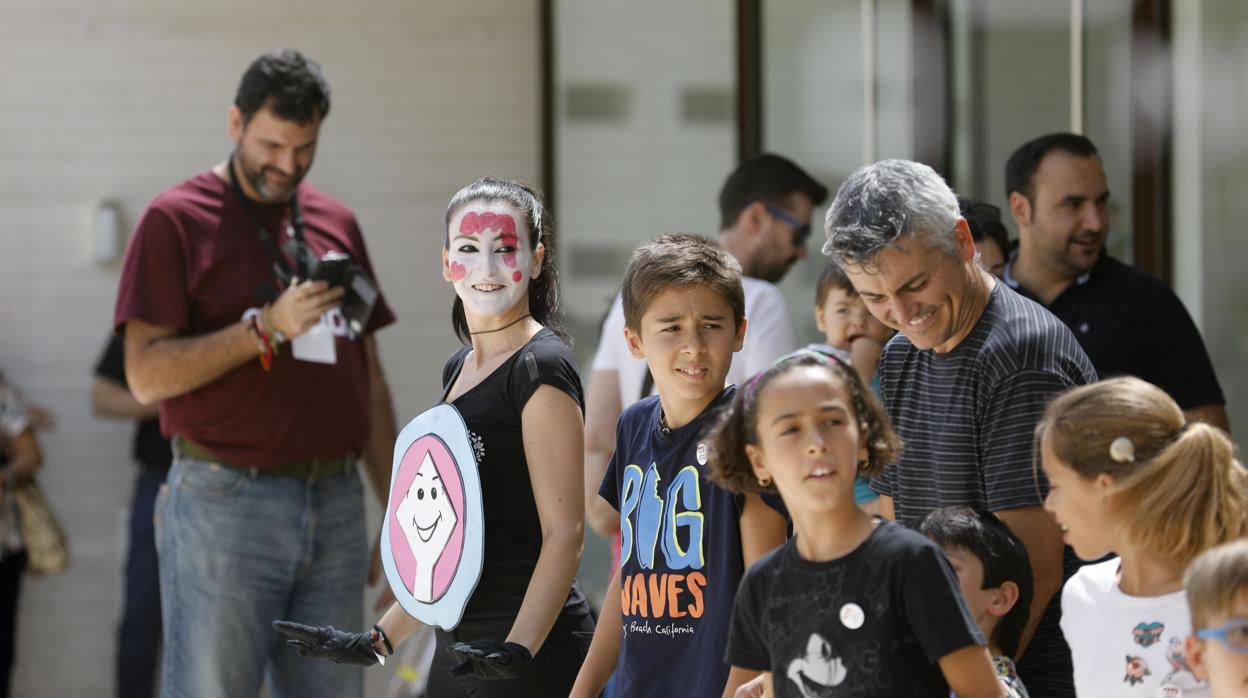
[458,271]
[516,276]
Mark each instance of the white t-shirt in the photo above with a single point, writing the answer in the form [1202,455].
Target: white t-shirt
[1126,645]
[769,334]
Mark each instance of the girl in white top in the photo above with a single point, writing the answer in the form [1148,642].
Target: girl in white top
[1128,476]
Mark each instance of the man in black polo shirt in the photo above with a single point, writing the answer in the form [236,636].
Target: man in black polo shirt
[1127,321]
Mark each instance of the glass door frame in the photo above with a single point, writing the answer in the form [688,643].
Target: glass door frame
[1151,90]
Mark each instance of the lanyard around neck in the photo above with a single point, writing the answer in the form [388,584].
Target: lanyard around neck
[281,268]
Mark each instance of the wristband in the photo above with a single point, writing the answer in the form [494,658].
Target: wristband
[271,329]
[385,640]
[264,344]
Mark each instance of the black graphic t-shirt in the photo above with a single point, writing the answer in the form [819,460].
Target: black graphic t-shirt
[492,411]
[872,623]
[680,555]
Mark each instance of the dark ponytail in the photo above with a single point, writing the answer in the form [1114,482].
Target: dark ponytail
[544,303]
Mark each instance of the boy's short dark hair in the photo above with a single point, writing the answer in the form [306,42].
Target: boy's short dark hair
[1213,581]
[768,178]
[680,261]
[1002,554]
[832,276]
[290,85]
[984,220]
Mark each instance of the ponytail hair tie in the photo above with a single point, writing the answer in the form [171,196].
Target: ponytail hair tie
[1122,450]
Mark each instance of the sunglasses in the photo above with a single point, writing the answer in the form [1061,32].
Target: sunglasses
[1233,635]
[801,230]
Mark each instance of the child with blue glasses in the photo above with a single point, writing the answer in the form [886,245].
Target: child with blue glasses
[1217,593]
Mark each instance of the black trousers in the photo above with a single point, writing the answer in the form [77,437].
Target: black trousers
[11,569]
[138,635]
[552,672]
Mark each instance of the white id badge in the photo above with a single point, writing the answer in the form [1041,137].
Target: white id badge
[316,345]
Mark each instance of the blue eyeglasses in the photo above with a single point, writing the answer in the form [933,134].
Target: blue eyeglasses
[1233,635]
[801,230]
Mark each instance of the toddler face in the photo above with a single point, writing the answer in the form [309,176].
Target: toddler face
[1223,662]
[842,318]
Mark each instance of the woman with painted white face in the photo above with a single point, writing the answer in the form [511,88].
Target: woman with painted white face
[516,386]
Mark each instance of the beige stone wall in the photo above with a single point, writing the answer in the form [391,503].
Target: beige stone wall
[106,99]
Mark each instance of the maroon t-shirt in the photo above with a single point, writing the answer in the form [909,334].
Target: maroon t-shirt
[195,263]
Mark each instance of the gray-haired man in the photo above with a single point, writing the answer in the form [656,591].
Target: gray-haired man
[965,380]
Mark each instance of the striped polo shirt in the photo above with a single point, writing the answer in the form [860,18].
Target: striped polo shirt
[968,416]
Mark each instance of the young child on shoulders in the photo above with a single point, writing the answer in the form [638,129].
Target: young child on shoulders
[850,330]
[995,577]
[1217,593]
[851,333]
[685,541]
[1128,476]
[852,604]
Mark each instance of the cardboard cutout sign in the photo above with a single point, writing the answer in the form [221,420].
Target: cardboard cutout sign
[434,532]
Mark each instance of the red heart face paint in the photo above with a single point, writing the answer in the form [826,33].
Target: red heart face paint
[489,258]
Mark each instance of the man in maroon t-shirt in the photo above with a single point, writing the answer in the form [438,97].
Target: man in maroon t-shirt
[269,391]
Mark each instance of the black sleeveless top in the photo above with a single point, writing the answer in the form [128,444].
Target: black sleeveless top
[492,410]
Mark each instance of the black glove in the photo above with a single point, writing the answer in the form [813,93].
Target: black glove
[327,643]
[488,659]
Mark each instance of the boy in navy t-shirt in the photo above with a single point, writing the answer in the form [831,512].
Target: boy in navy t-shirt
[685,542]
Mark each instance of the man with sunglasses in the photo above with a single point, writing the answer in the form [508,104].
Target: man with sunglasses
[765,206]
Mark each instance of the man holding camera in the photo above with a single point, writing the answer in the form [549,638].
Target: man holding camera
[247,304]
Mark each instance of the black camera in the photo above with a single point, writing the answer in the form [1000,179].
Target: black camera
[337,269]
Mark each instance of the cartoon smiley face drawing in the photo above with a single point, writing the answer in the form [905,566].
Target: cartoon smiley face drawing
[817,670]
[428,516]
[433,533]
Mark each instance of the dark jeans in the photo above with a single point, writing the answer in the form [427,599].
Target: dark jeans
[138,636]
[11,569]
[551,674]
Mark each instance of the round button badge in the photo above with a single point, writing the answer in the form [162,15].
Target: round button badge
[852,616]
[701,454]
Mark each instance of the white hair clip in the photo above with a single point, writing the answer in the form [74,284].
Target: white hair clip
[1122,450]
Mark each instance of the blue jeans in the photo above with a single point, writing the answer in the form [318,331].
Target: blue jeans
[239,550]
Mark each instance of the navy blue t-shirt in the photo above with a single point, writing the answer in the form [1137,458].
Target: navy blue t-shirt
[680,555]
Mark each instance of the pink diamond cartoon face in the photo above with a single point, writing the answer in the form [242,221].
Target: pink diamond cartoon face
[427,519]
[433,526]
